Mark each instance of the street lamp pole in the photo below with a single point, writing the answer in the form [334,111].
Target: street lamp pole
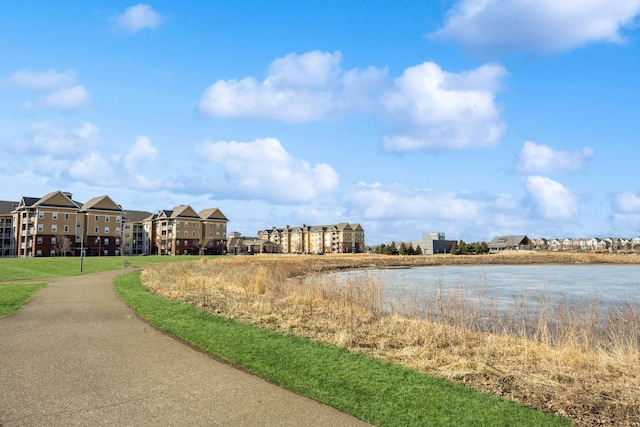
[99,245]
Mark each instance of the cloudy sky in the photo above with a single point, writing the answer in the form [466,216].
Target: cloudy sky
[473,117]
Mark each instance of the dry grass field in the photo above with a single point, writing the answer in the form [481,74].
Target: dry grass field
[567,360]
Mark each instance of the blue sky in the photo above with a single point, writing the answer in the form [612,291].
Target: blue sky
[475,117]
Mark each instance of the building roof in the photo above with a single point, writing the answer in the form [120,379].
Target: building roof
[213,213]
[57,199]
[184,211]
[6,207]
[136,216]
[103,203]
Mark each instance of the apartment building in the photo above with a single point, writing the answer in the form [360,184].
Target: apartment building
[136,234]
[7,234]
[182,231]
[337,238]
[57,225]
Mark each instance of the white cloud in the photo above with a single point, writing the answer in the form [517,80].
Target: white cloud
[94,169]
[136,18]
[430,109]
[552,199]
[542,26]
[542,159]
[263,170]
[298,88]
[627,202]
[45,138]
[64,99]
[42,80]
[397,202]
[141,151]
[434,109]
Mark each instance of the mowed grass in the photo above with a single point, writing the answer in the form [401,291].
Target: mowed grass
[42,267]
[371,389]
[14,295]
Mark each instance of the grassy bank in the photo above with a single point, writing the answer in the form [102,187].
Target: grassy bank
[13,296]
[553,363]
[371,389]
[43,267]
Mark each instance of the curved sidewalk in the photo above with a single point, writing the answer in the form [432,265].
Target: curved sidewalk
[76,355]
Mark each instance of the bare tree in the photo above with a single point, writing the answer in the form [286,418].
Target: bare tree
[63,244]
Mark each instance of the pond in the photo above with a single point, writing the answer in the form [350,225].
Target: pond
[507,286]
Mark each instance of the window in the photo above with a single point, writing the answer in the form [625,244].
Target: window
[41,215]
[217,225]
[54,228]
[217,234]
[193,234]
[66,216]
[107,218]
[177,233]
[118,219]
[177,242]
[54,215]
[40,227]
[194,225]
[106,241]
[66,228]
[53,252]
[53,240]
[210,234]
[78,224]
[177,223]
[39,252]
[117,241]
[39,239]
[106,230]
[118,230]
[97,218]
[96,230]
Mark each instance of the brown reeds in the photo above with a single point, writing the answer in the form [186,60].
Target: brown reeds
[571,358]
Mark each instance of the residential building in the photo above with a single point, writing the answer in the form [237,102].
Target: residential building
[136,237]
[336,238]
[57,225]
[508,243]
[7,235]
[182,231]
[48,226]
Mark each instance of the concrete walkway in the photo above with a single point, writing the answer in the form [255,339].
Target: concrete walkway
[75,355]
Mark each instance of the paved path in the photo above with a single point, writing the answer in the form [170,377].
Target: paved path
[75,355]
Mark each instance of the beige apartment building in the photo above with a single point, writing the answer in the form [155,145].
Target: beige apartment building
[57,225]
[182,231]
[327,239]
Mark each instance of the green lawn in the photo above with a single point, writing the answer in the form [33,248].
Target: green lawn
[13,296]
[378,392]
[38,268]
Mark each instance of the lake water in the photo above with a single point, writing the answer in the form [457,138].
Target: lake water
[610,285]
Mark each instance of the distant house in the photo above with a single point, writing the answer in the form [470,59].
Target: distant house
[510,243]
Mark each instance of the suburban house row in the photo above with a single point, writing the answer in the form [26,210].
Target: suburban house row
[57,225]
[589,244]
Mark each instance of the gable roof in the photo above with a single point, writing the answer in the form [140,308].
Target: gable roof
[184,211]
[56,199]
[212,213]
[103,203]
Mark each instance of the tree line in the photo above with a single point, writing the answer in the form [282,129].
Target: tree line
[457,248]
